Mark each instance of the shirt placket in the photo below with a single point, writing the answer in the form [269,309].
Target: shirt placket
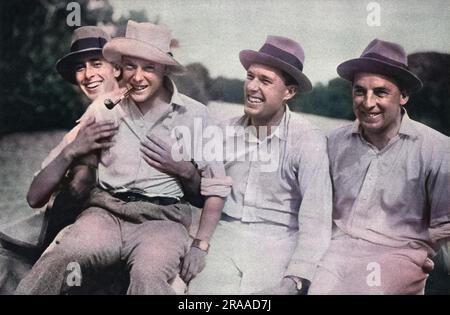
[360,214]
[141,127]
[251,190]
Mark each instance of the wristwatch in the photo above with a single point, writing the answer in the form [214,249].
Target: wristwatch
[298,282]
[200,244]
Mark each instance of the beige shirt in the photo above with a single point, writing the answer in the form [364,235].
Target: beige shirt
[291,189]
[122,167]
[396,196]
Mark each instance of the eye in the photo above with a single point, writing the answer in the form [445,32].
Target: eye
[128,66]
[358,92]
[80,67]
[381,93]
[149,69]
[266,81]
[250,76]
[98,64]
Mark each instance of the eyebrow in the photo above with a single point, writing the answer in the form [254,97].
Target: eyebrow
[381,89]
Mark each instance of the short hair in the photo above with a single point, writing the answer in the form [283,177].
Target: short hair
[288,79]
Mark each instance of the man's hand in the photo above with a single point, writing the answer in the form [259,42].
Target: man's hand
[193,263]
[287,287]
[92,136]
[158,154]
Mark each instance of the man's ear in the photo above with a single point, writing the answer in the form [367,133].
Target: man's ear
[404,97]
[291,91]
[117,71]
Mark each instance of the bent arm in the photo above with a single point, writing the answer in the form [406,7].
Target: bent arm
[48,179]
[210,216]
[190,180]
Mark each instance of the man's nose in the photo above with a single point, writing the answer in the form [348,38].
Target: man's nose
[370,100]
[90,71]
[138,76]
[252,85]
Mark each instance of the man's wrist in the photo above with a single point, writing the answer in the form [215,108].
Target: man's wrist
[189,171]
[200,244]
[68,155]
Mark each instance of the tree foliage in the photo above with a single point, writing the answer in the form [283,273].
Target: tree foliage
[34,35]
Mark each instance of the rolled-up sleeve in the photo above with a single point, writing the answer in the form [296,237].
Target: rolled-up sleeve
[315,213]
[214,181]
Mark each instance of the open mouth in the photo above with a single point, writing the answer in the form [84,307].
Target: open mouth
[139,88]
[254,100]
[93,85]
[371,116]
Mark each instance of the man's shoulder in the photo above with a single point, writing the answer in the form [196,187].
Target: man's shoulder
[193,106]
[340,133]
[301,129]
[429,134]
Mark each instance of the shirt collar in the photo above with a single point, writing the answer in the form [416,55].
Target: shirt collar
[406,126]
[175,99]
[176,96]
[281,130]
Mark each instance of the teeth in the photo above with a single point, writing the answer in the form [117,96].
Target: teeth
[252,99]
[139,87]
[93,85]
[373,115]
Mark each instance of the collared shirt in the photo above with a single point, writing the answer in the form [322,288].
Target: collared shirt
[122,167]
[396,196]
[282,180]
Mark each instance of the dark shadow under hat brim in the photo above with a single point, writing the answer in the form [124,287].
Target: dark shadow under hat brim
[249,57]
[405,78]
[66,65]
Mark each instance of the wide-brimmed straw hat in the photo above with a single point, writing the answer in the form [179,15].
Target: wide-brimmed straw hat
[146,41]
[385,58]
[87,42]
[281,53]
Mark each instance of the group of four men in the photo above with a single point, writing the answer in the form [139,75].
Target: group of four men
[290,211]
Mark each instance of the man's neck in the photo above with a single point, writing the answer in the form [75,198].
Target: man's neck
[270,123]
[381,140]
[160,99]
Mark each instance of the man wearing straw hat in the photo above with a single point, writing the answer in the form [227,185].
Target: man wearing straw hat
[391,179]
[276,223]
[85,67]
[137,214]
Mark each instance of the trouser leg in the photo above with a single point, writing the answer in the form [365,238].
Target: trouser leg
[221,275]
[92,241]
[153,252]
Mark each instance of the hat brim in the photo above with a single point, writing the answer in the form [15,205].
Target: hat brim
[66,65]
[405,78]
[249,57]
[121,46]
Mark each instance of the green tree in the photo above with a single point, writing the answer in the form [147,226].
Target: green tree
[33,36]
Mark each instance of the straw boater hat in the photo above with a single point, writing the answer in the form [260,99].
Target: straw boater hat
[281,53]
[87,42]
[384,58]
[143,40]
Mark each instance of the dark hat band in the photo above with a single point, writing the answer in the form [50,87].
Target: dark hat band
[282,55]
[383,58]
[88,42]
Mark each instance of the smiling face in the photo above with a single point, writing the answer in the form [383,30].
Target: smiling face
[377,102]
[146,77]
[265,94]
[96,76]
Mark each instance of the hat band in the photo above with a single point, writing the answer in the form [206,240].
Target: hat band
[88,42]
[385,59]
[282,55]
